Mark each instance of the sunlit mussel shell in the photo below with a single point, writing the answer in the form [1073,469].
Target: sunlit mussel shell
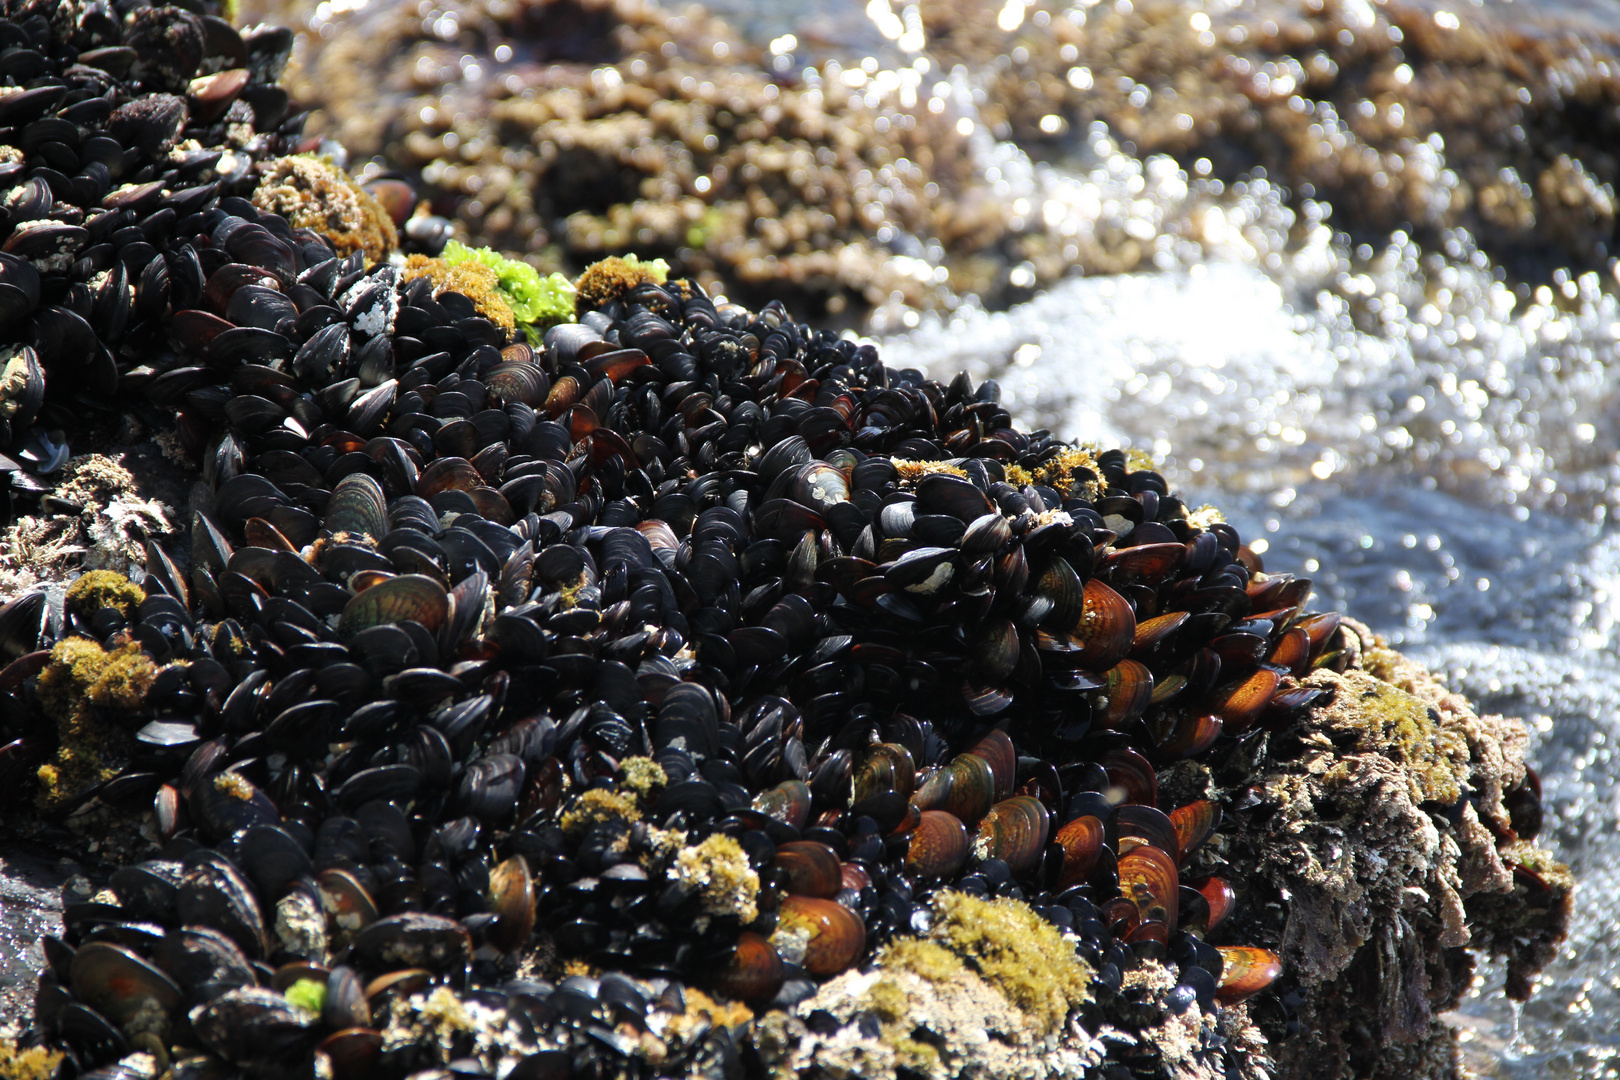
[811,868]
[1291,703]
[409,596]
[752,971]
[1130,689]
[996,748]
[1243,702]
[124,987]
[787,802]
[1135,823]
[1245,971]
[512,901]
[1323,631]
[1143,564]
[1082,840]
[413,939]
[1015,832]
[817,485]
[965,788]
[1131,777]
[939,846]
[881,769]
[1220,900]
[1292,652]
[1147,877]
[1181,733]
[1194,823]
[822,936]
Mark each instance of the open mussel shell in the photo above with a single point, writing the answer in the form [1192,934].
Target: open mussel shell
[822,936]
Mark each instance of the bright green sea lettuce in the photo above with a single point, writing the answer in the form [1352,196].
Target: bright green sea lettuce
[536,302]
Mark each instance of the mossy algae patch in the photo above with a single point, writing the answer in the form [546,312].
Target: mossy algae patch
[606,281]
[535,302]
[102,588]
[32,1063]
[1012,948]
[80,678]
[313,193]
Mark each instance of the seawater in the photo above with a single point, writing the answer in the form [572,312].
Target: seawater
[1433,446]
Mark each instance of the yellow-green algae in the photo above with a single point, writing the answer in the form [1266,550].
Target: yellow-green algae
[79,677]
[102,588]
[307,994]
[535,302]
[34,1063]
[313,193]
[1402,727]
[1008,944]
[1057,473]
[642,777]
[597,805]
[719,868]
[473,280]
[606,281]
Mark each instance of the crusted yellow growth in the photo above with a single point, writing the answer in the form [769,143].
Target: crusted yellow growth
[1015,950]
[1205,516]
[719,868]
[643,777]
[578,967]
[703,1013]
[1057,473]
[234,785]
[474,280]
[604,282]
[920,956]
[34,1063]
[312,193]
[99,589]
[81,674]
[445,1014]
[916,470]
[895,1009]
[1400,726]
[1140,461]
[598,804]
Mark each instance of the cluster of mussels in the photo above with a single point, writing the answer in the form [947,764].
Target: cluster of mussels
[120,124]
[508,697]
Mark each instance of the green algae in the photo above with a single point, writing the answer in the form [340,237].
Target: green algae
[535,302]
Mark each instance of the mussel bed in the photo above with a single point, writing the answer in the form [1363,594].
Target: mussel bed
[554,709]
